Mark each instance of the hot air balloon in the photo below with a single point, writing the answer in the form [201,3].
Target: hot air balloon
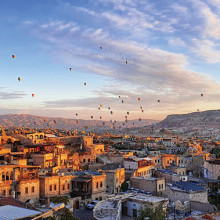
[54,121]
[101,47]
[197,110]
[133,123]
[139,99]
[33,95]
[109,108]
[85,84]
[77,121]
[98,108]
[115,121]
[158,100]
[70,69]
[35,122]
[100,117]
[13,56]
[126,116]
[140,107]
[127,113]
[123,123]
[139,119]
[142,111]
[202,94]
[126,121]
[76,114]
[103,123]
[119,96]
[45,120]
[111,112]
[122,101]
[101,105]
[126,62]
[19,79]
[91,117]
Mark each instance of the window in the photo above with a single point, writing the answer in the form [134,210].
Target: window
[3,176]
[63,187]
[100,198]
[88,160]
[84,160]
[68,186]
[11,175]
[101,184]
[97,185]
[26,190]
[7,176]
[55,187]
[50,187]
[32,189]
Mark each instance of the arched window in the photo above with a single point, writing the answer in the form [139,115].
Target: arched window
[7,175]
[3,176]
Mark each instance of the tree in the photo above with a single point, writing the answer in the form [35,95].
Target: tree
[157,214]
[67,215]
[124,187]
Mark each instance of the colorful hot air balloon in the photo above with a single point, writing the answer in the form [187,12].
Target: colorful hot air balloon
[76,114]
[85,84]
[126,116]
[158,100]
[140,107]
[19,79]
[126,62]
[33,95]
[100,117]
[101,105]
[45,120]
[70,69]
[142,111]
[202,94]
[109,108]
[13,56]
[98,108]
[197,110]
[139,119]
[111,112]
[91,117]
[77,121]
[54,121]
[122,101]
[139,99]
[115,121]
[119,96]
[101,47]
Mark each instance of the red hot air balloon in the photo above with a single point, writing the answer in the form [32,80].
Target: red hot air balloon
[139,99]
[13,56]
[33,95]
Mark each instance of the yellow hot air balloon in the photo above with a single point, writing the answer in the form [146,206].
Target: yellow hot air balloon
[19,79]
[101,105]
[70,69]
[85,84]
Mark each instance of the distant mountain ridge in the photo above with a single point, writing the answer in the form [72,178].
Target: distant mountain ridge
[210,118]
[33,121]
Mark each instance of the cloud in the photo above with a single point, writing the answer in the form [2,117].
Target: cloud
[11,95]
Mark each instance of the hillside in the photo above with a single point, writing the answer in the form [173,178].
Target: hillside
[209,118]
[33,121]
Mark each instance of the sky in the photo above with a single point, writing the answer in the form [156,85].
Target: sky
[172,49]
